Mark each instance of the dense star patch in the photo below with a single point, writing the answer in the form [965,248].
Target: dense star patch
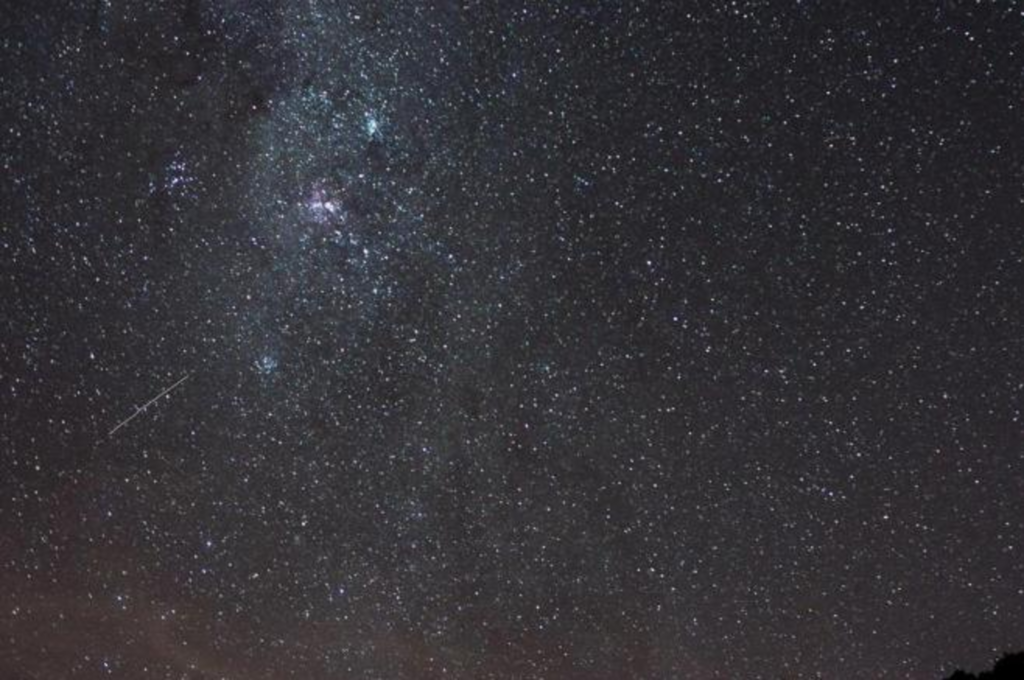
[510,339]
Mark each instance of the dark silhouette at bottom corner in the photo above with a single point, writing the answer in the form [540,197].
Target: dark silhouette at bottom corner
[1010,667]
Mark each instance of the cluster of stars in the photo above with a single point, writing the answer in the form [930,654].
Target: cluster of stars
[510,340]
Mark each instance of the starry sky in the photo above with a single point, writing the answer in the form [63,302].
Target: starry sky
[489,340]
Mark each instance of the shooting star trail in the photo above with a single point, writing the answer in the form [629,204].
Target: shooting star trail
[149,403]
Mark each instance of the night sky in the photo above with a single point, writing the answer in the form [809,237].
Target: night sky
[495,339]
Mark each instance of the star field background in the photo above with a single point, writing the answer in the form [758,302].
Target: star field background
[520,340]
